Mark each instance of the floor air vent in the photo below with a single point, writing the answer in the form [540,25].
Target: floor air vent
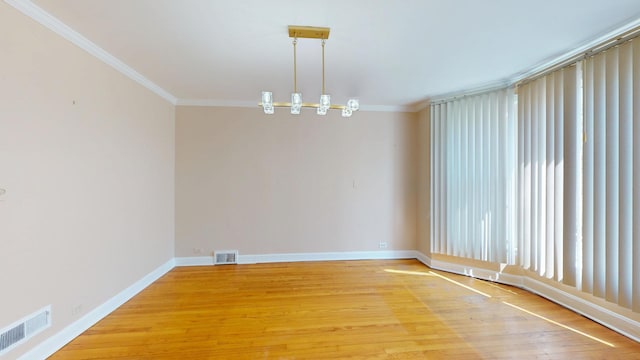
[225,257]
[24,329]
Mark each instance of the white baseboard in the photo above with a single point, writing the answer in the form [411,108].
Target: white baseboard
[194,261]
[57,341]
[297,257]
[591,310]
[611,319]
[327,256]
[423,258]
[479,273]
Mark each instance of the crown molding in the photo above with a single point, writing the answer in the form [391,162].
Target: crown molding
[553,62]
[52,23]
[251,104]
[492,86]
[577,52]
[217,103]
[386,108]
[421,105]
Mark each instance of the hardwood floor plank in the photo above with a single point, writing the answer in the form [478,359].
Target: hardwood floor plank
[338,310]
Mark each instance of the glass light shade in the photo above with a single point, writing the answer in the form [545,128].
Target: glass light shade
[322,110]
[353,104]
[296,103]
[325,101]
[267,98]
[267,102]
[346,112]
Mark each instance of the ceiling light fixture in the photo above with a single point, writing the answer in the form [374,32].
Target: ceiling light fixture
[296,104]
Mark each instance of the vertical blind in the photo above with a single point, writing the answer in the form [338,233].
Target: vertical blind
[473,145]
[548,148]
[553,186]
[611,176]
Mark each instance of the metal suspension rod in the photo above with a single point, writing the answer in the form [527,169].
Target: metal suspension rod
[323,42]
[295,72]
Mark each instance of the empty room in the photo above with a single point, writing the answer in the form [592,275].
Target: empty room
[413,179]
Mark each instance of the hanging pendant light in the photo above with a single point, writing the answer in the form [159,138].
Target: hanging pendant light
[296,104]
[296,97]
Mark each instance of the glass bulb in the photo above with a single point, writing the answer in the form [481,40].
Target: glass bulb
[346,112]
[296,103]
[353,104]
[322,110]
[296,98]
[325,101]
[267,102]
[267,98]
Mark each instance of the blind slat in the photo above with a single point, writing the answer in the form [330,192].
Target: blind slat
[599,178]
[625,135]
[588,179]
[611,169]
[636,180]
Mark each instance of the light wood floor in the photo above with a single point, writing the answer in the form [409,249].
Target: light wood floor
[336,310]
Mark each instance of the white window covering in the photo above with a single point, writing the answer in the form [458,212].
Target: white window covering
[473,207]
[549,131]
[611,248]
[556,191]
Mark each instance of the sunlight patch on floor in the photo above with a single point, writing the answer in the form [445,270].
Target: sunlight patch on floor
[461,285]
[406,272]
[559,324]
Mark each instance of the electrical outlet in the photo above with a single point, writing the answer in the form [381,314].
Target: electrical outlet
[76,310]
[382,245]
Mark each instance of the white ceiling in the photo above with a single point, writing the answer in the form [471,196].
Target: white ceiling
[387,53]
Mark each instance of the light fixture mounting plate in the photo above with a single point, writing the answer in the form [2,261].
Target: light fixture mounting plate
[308,32]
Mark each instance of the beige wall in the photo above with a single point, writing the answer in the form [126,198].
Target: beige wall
[87,159]
[294,184]
[424,182]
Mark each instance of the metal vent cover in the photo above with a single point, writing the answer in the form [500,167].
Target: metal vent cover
[223,257]
[20,331]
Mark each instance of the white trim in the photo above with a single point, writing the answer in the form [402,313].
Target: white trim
[589,309]
[299,257]
[470,271]
[613,34]
[493,86]
[327,256]
[54,24]
[423,258]
[195,261]
[537,69]
[218,103]
[49,21]
[385,108]
[479,273]
[249,104]
[57,341]
[617,322]
[421,105]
